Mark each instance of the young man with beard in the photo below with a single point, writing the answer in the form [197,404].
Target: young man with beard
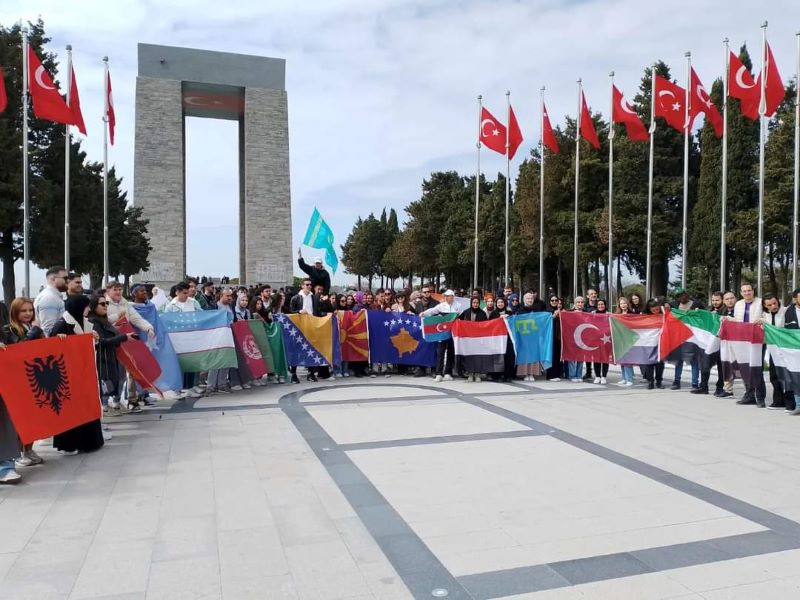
[709,360]
[49,303]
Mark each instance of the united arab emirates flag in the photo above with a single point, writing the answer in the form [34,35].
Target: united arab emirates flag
[482,344]
[437,328]
[697,327]
[784,348]
[635,338]
[741,349]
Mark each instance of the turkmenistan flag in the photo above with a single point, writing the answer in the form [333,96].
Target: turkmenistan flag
[437,327]
[784,348]
[698,327]
[202,339]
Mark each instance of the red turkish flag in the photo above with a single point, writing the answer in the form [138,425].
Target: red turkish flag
[670,102]
[3,96]
[548,137]
[587,125]
[742,86]
[493,132]
[623,113]
[75,104]
[774,91]
[514,133]
[50,385]
[47,102]
[586,337]
[701,103]
[110,114]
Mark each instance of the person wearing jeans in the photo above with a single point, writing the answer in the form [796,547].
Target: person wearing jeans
[627,375]
[446,350]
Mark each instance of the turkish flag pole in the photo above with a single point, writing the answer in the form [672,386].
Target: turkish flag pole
[508,183]
[26,212]
[686,127]
[541,196]
[796,165]
[609,286]
[477,194]
[650,182]
[762,138]
[577,193]
[723,229]
[67,144]
[106,94]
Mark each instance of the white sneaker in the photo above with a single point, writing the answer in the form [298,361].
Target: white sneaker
[37,460]
[198,390]
[236,388]
[107,436]
[556,379]
[448,378]
[10,477]
[628,383]
[603,381]
[347,374]
[246,386]
[438,378]
[23,461]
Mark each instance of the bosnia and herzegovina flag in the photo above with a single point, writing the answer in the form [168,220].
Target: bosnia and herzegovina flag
[635,338]
[481,344]
[783,346]
[319,235]
[310,341]
[396,338]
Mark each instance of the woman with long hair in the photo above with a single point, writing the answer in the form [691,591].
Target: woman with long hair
[474,313]
[601,369]
[556,370]
[636,304]
[653,373]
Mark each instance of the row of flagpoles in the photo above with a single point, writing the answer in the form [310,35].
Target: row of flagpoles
[50,105]
[759,99]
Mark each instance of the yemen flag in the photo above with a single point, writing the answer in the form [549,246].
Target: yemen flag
[697,327]
[482,344]
[784,348]
[437,328]
[202,339]
[741,349]
[635,338]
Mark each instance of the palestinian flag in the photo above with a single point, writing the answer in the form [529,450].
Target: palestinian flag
[481,344]
[741,349]
[437,328]
[700,328]
[202,339]
[784,348]
[635,338]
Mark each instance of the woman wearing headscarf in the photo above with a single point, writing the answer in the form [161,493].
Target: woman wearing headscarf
[601,369]
[474,313]
[513,303]
[89,436]
[528,371]
[159,298]
[556,370]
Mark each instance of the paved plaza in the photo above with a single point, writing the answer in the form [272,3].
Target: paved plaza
[404,488]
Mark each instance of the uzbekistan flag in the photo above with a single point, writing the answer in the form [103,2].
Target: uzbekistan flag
[697,327]
[437,328]
[784,348]
[482,344]
[740,349]
[635,338]
[202,339]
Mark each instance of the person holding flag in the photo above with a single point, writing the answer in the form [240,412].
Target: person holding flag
[445,352]
[317,273]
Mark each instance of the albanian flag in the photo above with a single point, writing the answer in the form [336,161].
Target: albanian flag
[50,385]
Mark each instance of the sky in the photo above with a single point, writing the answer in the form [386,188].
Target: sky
[382,93]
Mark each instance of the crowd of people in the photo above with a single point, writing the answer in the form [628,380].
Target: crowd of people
[63,308]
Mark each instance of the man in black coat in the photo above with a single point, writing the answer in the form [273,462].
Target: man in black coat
[318,274]
[308,303]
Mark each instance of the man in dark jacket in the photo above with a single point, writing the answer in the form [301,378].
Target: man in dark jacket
[686,352]
[305,302]
[426,301]
[318,274]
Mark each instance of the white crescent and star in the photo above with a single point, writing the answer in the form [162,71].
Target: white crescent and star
[625,106]
[578,336]
[483,128]
[38,77]
[702,94]
[739,74]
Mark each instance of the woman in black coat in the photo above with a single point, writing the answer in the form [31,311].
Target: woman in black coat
[474,313]
[556,370]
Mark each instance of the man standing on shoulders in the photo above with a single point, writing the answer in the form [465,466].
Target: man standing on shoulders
[318,274]
[749,310]
[445,352]
[49,304]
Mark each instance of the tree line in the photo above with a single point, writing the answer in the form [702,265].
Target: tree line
[436,241]
[129,247]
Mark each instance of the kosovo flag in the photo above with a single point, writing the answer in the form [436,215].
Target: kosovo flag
[310,341]
[396,338]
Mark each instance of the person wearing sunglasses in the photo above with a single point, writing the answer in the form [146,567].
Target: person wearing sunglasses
[305,302]
[49,304]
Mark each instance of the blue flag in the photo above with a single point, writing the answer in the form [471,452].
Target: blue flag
[161,348]
[319,235]
[396,338]
[532,335]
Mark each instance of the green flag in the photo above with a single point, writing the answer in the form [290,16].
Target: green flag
[277,351]
[319,235]
[260,336]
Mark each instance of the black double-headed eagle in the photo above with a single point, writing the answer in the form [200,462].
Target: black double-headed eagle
[48,381]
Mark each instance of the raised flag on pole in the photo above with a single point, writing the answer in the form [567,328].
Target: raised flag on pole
[75,102]
[47,102]
[50,385]
[774,92]
[3,95]
[701,103]
[202,339]
[548,136]
[438,327]
[481,344]
[587,124]
[111,115]
[319,235]
[742,86]
[514,133]
[493,132]
[625,114]
[635,338]
[669,103]
[740,349]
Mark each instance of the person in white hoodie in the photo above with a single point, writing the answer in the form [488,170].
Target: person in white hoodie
[445,352]
[750,310]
